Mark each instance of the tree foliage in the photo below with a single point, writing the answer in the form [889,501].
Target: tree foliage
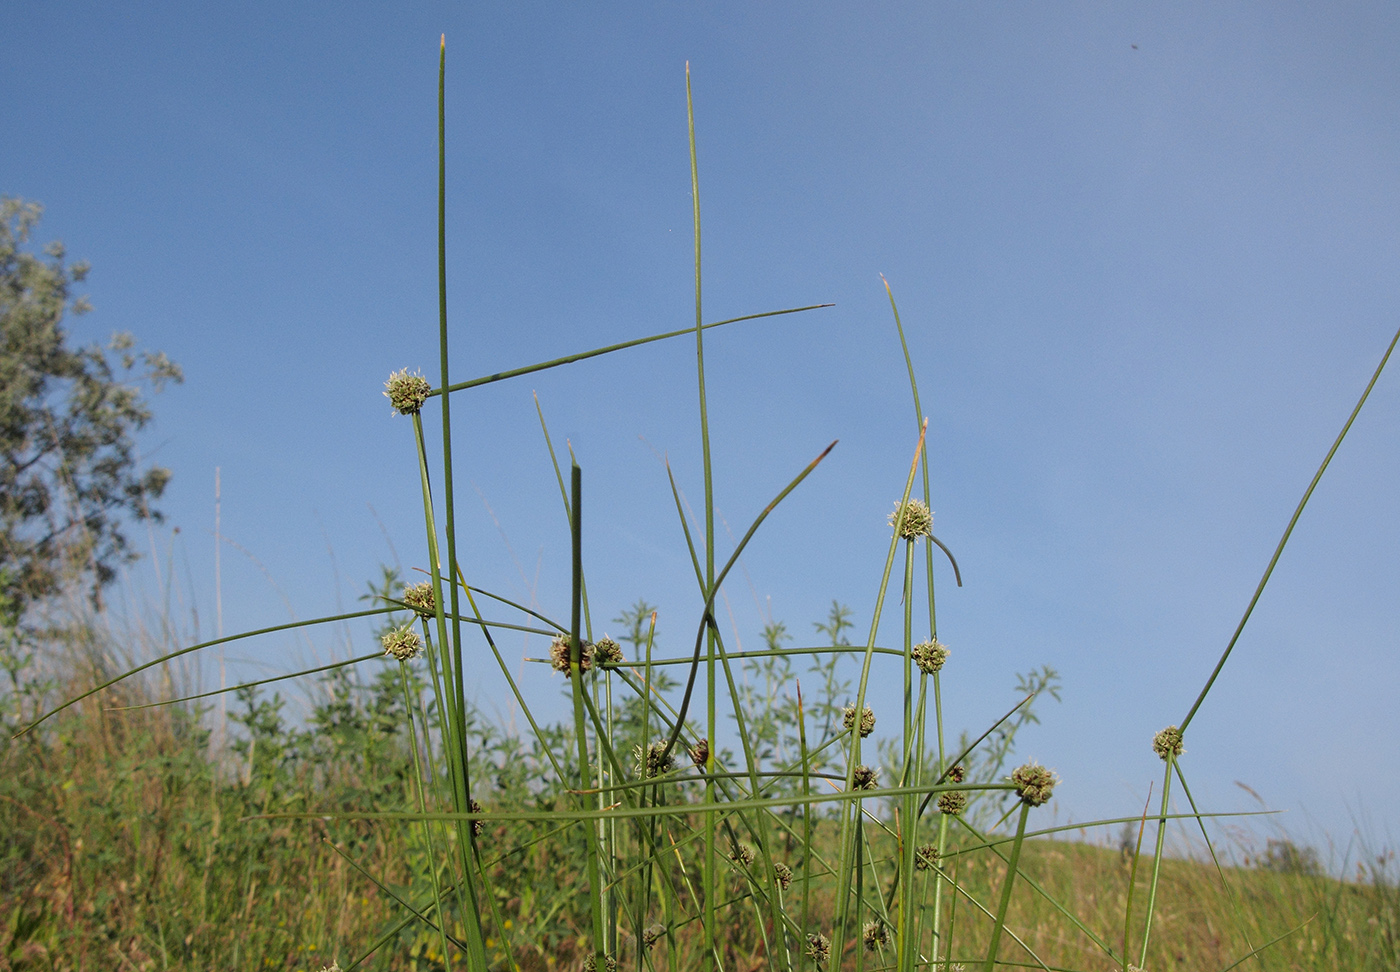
[70,476]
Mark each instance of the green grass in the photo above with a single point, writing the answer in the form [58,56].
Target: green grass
[678,818]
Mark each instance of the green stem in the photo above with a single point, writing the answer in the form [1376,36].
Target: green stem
[1005,903]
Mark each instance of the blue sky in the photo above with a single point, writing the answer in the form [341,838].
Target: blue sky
[1146,259]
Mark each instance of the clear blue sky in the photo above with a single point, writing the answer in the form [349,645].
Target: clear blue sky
[1147,259]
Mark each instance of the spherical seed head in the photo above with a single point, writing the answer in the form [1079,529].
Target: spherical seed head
[608,651]
[867,720]
[918,519]
[929,656]
[783,874]
[419,597]
[595,962]
[864,778]
[559,656]
[1034,783]
[875,935]
[700,753]
[654,760]
[958,773]
[406,392]
[1168,741]
[818,948]
[952,802]
[742,854]
[926,857]
[477,825]
[402,643]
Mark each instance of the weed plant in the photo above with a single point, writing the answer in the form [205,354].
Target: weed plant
[692,811]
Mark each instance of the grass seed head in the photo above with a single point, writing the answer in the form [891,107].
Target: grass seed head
[952,802]
[818,948]
[875,935]
[654,761]
[918,519]
[743,855]
[1034,783]
[958,773]
[929,656]
[864,778]
[595,963]
[478,825]
[419,597]
[926,857]
[559,655]
[867,719]
[607,651]
[1169,741]
[402,643]
[700,753]
[406,392]
[783,874]
[651,935]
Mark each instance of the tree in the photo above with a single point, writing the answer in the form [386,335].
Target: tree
[70,476]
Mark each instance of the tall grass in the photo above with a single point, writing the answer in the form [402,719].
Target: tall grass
[677,819]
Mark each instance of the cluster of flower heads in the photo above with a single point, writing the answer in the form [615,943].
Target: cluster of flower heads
[742,855]
[929,655]
[700,753]
[406,393]
[954,802]
[926,857]
[477,825]
[1034,783]
[1168,742]
[864,778]
[818,948]
[917,520]
[599,963]
[782,874]
[606,651]
[875,935]
[867,719]
[419,597]
[651,935]
[654,760]
[401,643]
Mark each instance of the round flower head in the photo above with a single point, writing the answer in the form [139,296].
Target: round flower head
[929,656]
[958,773]
[952,802]
[743,854]
[1034,783]
[595,963]
[608,651]
[406,392]
[654,760]
[918,520]
[864,778]
[420,598]
[782,874]
[875,935]
[559,656]
[867,720]
[700,753]
[477,825]
[402,643]
[926,857]
[818,948]
[1169,740]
